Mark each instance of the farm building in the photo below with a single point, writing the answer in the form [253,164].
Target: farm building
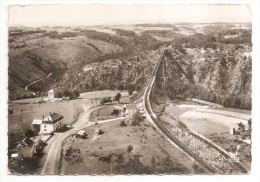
[51,94]
[130,109]
[81,134]
[37,124]
[49,124]
[26,148]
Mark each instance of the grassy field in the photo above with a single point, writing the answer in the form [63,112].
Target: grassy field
[179,109]
[105,113]
[96,95]
[24,114]
[26,110]
[208,121]
[109,153]
[205,120]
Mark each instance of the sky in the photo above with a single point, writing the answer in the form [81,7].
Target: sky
[116,14]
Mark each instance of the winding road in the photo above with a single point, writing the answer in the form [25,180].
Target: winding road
[26,88]
[51,165]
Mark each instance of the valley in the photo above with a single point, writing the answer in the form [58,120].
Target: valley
[134,99]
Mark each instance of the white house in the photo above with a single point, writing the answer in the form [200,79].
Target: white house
[51,123]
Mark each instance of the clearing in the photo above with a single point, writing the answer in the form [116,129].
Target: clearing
[106,112]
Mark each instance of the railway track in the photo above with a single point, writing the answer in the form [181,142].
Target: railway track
[161,127]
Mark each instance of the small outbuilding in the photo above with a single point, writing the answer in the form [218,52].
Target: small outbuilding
[37,124]
[130,109]
[81,134]
[14,156]
[51,94]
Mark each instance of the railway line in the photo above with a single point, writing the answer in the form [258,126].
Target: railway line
[210,167]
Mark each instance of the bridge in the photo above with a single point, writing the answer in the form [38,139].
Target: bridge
[205,155]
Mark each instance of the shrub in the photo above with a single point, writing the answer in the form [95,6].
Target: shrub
[137,119]
[129,148]
[106,159]
[120,159]
[100,132]
[29,133]
[117,97]
[153,160]
[122,123]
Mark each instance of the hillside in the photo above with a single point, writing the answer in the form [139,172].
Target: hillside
[208,68]
[206,61]
[65,55]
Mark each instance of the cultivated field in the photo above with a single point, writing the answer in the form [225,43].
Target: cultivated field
[108,153]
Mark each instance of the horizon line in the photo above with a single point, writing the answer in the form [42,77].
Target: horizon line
[134,24]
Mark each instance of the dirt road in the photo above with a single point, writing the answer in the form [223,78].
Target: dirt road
[26,88]
[52,162]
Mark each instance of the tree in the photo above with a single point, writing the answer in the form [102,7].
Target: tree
[249,122]
[66,93]
[117,97]
[241,126]
[213,98]
[75,94]
[28,133]
[39,145]
[129,148]
[153,160]
[130,91]
[137,118]
[122,123]
[58,94]
[121,87]
[105,100]
[120,159]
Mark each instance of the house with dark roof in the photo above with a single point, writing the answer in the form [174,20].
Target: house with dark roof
[26,149]
[49,124]
[52,123]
